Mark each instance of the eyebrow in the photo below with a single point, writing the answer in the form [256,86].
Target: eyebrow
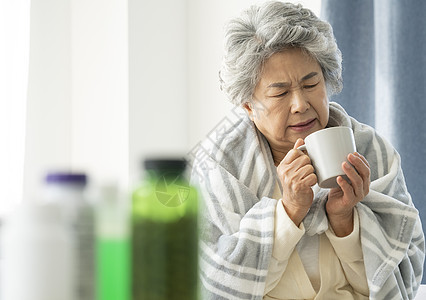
[287,84]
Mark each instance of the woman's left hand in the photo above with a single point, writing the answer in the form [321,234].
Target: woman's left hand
[341,201]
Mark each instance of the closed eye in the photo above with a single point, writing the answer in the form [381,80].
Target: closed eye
[281,95]
[306,86]
[310,86]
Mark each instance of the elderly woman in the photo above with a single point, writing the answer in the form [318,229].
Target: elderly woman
[268,230]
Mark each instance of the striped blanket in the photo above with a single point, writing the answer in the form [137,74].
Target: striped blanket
[236,175]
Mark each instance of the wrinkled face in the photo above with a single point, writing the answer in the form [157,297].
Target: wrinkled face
[290,99]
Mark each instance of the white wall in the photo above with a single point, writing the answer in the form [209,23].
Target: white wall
[99,90]
[48,126]
[158,80]
[14,57]
[207,104]
[77,116]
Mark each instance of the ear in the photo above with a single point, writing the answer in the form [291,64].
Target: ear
[248,107]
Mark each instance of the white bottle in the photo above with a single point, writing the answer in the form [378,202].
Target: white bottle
[37,255]
[68,190]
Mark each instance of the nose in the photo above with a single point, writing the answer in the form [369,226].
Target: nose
[299,103]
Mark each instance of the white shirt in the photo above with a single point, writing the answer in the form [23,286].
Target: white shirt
[314,267]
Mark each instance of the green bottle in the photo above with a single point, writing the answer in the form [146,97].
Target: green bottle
[164,233]
[112,246]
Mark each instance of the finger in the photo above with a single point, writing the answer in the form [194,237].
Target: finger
[292,155]
[296,169]
[302,161]
[359,162]
[310,180]
[362,167]
[288,158]
[300,184]
[366,175]
[304,171]
[290,165]
[357,181]
[298,143]
[346,188]
[362,158]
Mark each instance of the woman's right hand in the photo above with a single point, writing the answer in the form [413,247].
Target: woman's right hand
[297,177]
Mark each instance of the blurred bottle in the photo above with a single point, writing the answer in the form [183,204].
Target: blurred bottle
[37,256]
[68,190]
[164,233]
[112,245]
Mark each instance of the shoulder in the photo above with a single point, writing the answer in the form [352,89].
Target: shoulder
[227,142]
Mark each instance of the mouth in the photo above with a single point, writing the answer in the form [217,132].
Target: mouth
[303,126]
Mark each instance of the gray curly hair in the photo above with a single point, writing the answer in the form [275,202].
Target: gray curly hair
[270,28]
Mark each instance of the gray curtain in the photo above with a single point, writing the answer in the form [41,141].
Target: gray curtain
[383,43]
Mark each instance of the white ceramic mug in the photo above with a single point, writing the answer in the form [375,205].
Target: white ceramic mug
[328,149]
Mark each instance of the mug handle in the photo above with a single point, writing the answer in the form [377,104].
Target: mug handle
[303,147]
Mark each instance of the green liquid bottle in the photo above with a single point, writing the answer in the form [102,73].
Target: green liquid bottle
[112,246]
[164,234]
